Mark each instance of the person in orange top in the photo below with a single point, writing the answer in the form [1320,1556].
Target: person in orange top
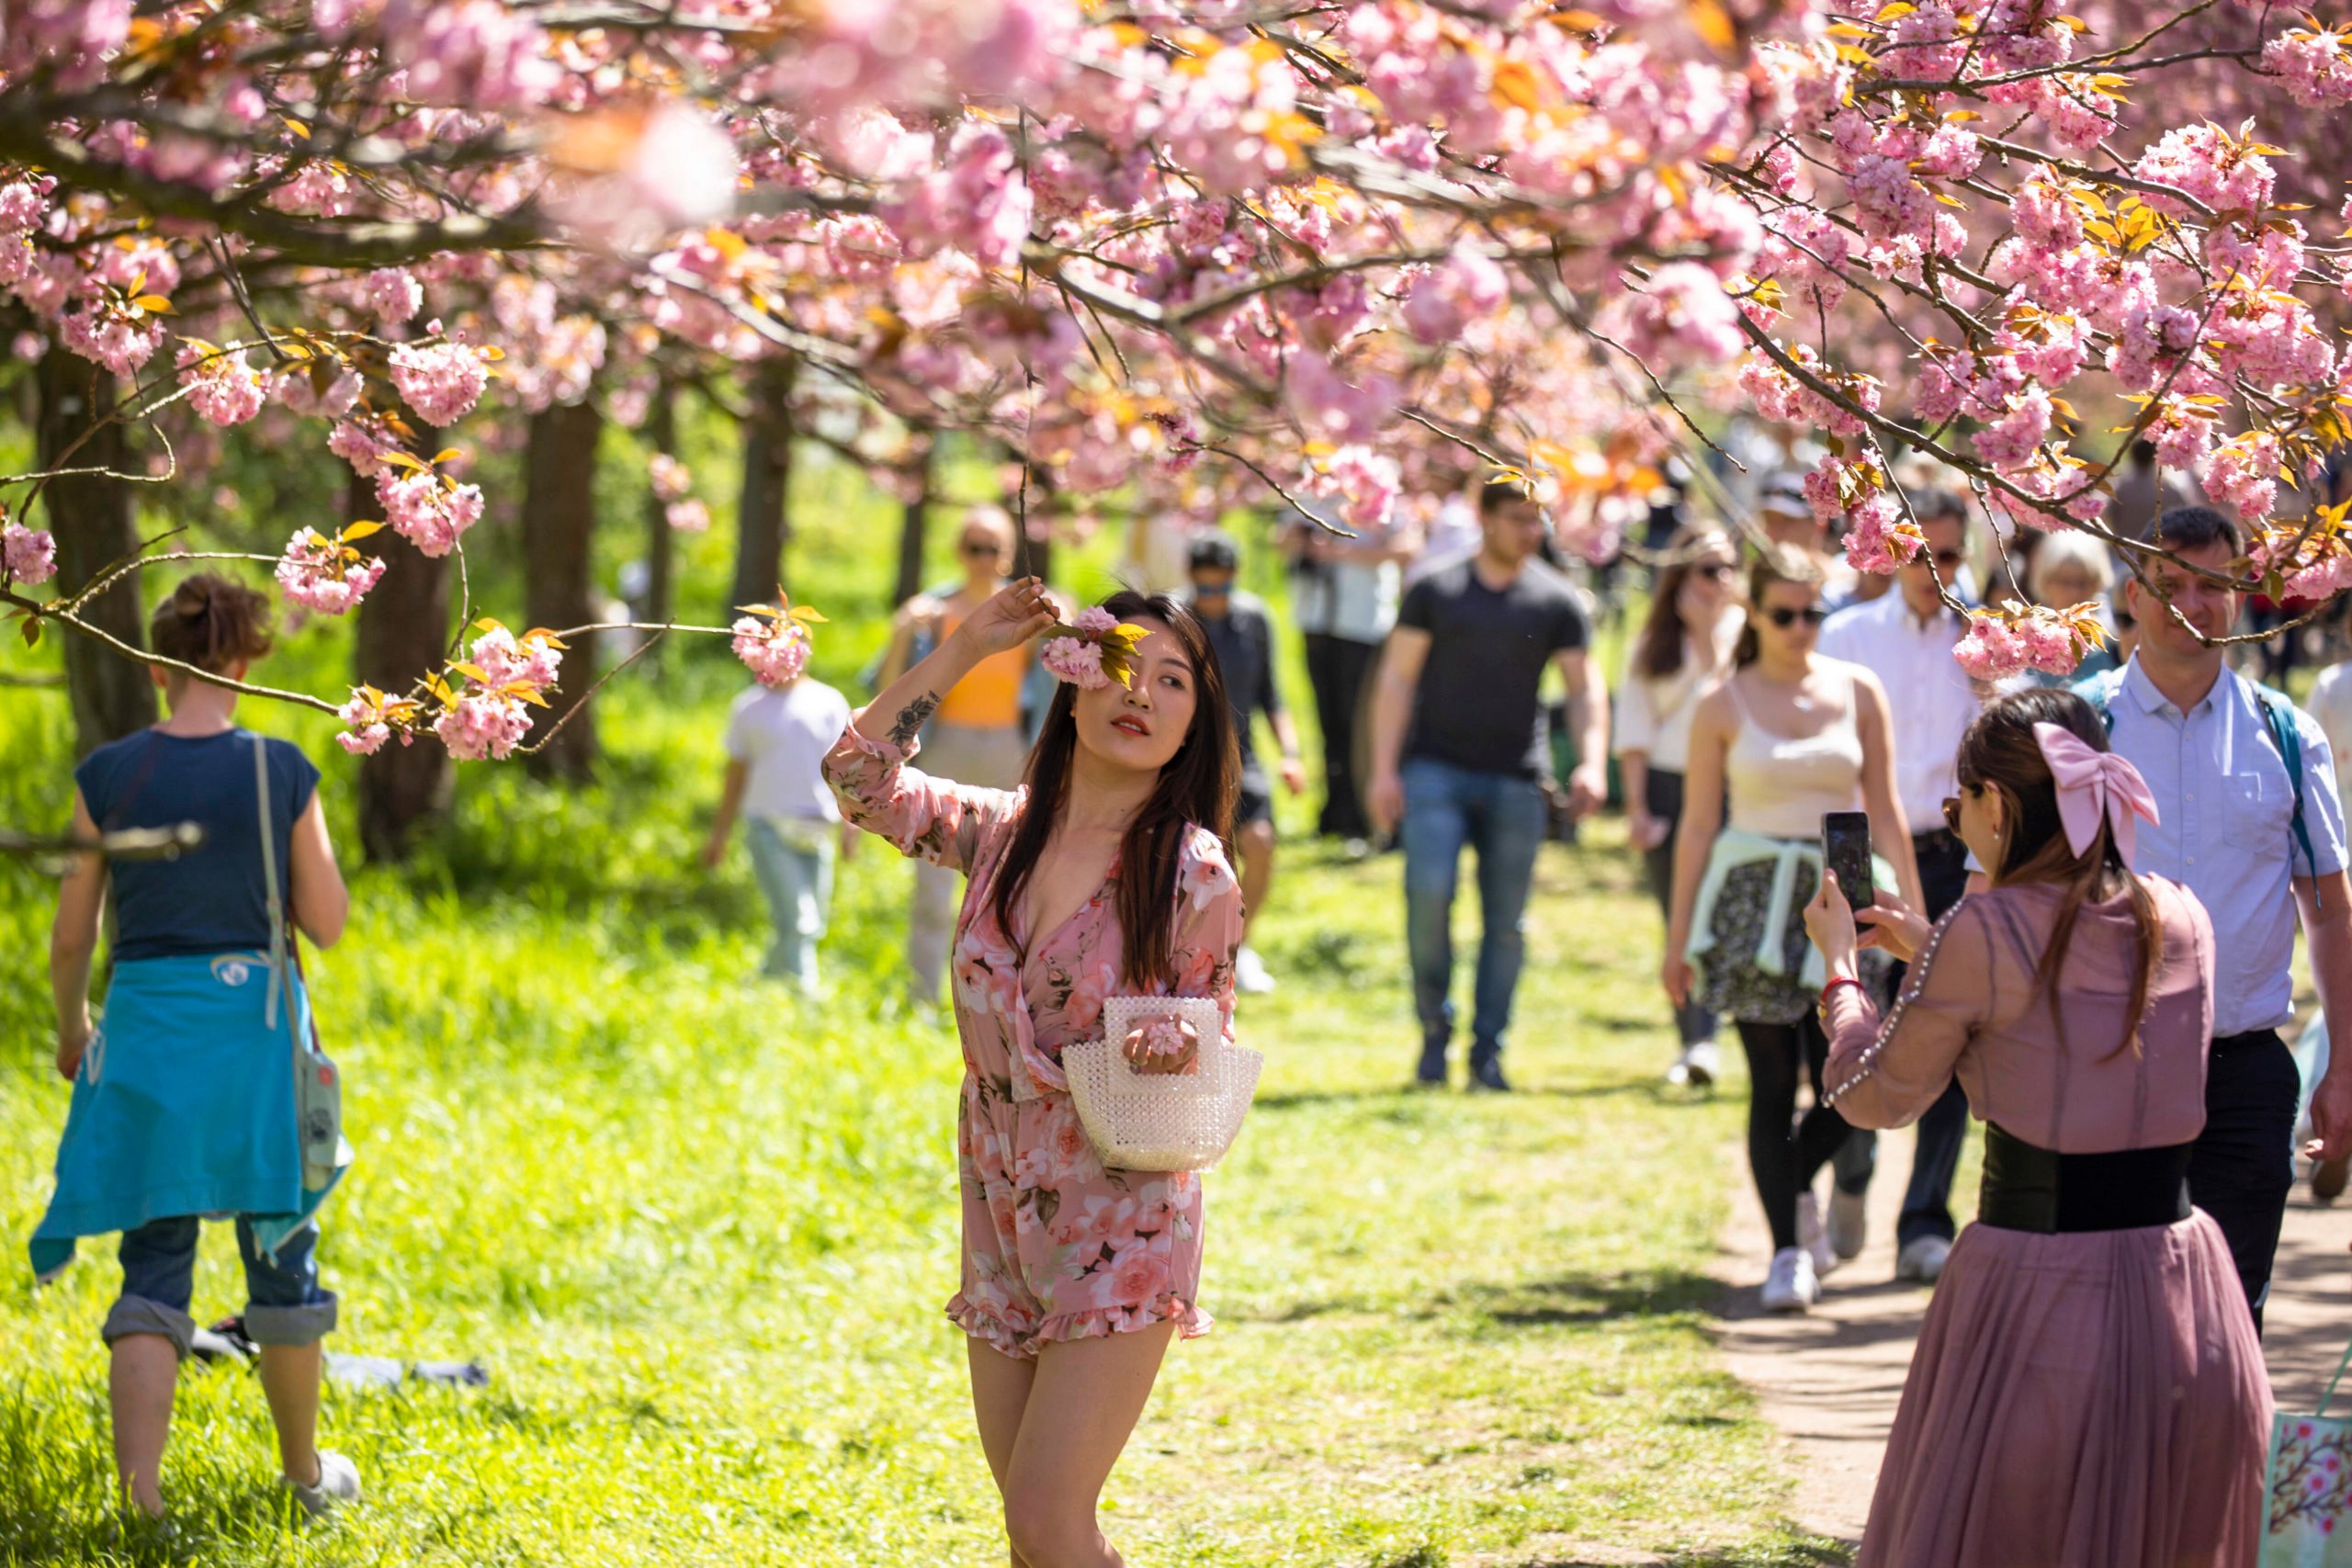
[974,737]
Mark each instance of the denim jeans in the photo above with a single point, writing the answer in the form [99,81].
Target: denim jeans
[284,1304]
[794,865]
[1501,816]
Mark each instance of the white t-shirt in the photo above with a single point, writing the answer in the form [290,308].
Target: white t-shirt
[2331,704]
[783,736]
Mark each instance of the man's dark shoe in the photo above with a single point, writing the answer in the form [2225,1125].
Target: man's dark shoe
[1430,1074]
[1488,1075]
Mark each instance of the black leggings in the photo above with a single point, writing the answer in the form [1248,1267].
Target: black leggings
[1786,1154]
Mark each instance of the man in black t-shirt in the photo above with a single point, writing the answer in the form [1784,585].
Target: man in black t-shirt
[1242,634]
[1458,747]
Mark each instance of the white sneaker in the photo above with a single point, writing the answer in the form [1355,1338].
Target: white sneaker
[1250,975]
[1848,1224]
[1697,1067]
[1922,1259]
[1790,1286]
[338,1483]
[1811,1237]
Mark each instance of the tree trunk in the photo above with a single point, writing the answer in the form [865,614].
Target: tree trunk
[558,579]
[96,526]
[914,521]
[403,634]
[762,525]
[661,546]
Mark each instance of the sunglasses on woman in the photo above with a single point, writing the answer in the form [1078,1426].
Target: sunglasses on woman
[1715,571]
[1782,616]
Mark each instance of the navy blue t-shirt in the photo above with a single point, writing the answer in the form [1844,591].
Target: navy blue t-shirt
[214,899]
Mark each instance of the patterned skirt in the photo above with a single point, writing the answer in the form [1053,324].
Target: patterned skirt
[1730,980]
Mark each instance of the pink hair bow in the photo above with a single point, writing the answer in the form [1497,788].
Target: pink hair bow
[2093,785]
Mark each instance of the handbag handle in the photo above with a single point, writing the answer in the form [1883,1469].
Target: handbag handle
[2330,1391]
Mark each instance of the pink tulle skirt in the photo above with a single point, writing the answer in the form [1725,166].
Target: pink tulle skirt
[2082,1400]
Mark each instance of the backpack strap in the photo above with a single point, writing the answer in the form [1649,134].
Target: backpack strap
[2100,691]
[2278,720]
[277,975]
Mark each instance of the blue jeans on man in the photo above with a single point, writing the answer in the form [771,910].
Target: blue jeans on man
[793,863]
[1501,816]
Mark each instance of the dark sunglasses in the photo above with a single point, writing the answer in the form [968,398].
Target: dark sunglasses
[1951,812]
[1212,590]
[1782,616]
[1949,561]
[1715,571]
[978,547]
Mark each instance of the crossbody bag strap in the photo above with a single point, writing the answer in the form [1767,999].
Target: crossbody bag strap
[278,974]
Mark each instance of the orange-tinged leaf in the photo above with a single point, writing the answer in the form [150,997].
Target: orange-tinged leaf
[1515,84]
[769,611]
[154,304]
[360,531]
[543,634]
[296,126]
[528,692]
[808,616]
[446,453]
[1713,23]
[471,670]
[401,460]
[491,352]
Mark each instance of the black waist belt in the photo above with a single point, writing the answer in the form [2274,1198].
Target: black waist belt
[2027,1187]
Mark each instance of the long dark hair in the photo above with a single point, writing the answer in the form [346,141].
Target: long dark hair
[1660,653]
[2000,752]
[1197,787]
[1778,564]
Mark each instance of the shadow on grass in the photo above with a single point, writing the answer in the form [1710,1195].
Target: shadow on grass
[1571,1299]
[1413,1096]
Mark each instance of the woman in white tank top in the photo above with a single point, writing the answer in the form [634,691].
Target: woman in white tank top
[1791,735]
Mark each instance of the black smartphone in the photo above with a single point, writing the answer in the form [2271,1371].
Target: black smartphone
[1845,850]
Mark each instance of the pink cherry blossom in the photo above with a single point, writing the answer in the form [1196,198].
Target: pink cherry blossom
[441,381]
[394,295]
[1076,660]
[316,574]
[670,477]
[687,516]
[2243,474]
[1467,286]
[2312,66]
[427,510]
[364,727]
[1989,651]
[775,651]
[482,725]
[27,555]
[223,389]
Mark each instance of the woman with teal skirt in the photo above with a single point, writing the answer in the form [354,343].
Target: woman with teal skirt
[184,1097]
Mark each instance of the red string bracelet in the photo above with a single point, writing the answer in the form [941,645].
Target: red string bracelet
[1833,983]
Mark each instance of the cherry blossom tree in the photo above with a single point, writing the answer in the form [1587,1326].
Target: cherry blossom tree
[1192,255]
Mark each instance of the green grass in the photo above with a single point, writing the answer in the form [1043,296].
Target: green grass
[701,1232]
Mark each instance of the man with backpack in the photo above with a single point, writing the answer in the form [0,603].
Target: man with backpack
[2252,824]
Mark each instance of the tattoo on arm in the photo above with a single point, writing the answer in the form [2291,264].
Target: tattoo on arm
[911,718]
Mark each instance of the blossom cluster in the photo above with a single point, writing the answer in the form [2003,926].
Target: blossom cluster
[27,555]
[327,575]
[1077,655]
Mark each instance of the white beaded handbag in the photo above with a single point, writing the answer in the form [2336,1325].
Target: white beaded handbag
[1160,1121]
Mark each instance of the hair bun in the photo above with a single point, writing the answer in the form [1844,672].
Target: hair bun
[193,597]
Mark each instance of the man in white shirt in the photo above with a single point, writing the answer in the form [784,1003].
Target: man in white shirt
[2260,838]
[1905,639]
[776,738]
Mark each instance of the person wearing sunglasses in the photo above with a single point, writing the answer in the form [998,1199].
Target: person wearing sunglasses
[1790,734]
[976,734]
[1905,639]
[1241,633]
[1684,648]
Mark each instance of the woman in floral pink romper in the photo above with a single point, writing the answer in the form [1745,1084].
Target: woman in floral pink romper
[1105,875]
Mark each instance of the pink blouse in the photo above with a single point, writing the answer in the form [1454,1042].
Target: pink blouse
[2054,1072]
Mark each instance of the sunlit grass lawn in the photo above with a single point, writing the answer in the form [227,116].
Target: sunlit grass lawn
[701,1235]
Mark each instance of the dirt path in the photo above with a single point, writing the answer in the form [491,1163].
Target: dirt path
[1830,1379]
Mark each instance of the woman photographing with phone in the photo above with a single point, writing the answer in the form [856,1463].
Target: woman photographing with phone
[2087,1387]
[1793,735]
[1105,875]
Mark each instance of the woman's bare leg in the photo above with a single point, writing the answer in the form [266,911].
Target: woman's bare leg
[1000,1395]
[1083,1402]
[144,1369]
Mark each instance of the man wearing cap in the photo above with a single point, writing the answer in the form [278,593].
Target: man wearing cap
[1242,634]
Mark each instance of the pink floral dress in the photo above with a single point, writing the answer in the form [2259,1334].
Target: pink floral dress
[1056,1247]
